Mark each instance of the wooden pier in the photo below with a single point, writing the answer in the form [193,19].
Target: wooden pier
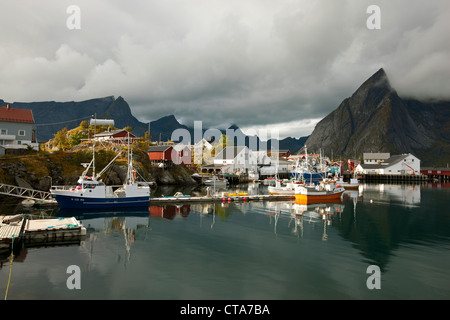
[11,230]
[397,178]
[17,230]
[222,197]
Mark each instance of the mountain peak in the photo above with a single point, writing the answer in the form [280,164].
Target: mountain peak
[378,79]
[168,119]
[374,88]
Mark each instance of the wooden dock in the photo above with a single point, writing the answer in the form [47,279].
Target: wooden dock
[55,231]
[11,229]
[17,230]
[398,178]
[223,197]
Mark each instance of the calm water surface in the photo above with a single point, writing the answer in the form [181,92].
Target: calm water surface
[256,250]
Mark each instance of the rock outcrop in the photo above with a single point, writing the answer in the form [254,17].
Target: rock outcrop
[376,119]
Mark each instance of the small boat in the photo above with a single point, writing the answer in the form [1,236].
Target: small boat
[324,191]
[178,195]
[253,176]
[352,185]
[287,189]
[270,181]
[218,182]
[28,202]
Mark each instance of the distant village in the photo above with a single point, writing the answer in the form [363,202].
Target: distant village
[18,133]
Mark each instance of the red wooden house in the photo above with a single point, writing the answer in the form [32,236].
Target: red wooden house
[177,154]
[116,136]
[160,153]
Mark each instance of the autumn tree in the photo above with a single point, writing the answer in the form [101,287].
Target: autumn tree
[61,141]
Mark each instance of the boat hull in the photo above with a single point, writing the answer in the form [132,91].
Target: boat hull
[315,197]
[350,187]
[281,191]
[73,202]
[308,176]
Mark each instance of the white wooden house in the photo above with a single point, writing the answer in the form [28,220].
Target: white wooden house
[375,157]
[17,129]
[236,159]
[397,164]
[201,152]
[262,159]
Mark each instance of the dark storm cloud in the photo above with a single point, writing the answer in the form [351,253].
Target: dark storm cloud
[252,63]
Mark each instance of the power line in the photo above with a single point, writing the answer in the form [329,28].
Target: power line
[49,124]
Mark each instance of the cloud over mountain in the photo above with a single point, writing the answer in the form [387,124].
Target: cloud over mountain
[250,62]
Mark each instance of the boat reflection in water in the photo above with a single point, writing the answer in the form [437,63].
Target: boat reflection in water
[300,210]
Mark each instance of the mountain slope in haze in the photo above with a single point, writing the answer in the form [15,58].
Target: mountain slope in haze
[376,119]
[51,116]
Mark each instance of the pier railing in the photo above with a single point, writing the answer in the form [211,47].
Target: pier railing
[16,191]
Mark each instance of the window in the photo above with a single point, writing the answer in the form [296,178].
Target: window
[21,133]
[19,142]
[3,131]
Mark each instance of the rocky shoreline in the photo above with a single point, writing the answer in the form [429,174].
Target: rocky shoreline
[42,173]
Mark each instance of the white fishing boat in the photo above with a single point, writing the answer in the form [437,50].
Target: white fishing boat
[253,176]
[284,189]
[92,193]
[217,182]
[352,185]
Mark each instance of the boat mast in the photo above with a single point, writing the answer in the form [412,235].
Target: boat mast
[93,147]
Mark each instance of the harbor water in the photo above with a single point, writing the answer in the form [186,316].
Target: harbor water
[254,251]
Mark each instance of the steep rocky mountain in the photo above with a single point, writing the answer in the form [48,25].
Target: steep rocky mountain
[51,116]
[376,119]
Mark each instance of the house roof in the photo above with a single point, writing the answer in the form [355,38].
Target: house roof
[16,115]
[372,166]
[111,133]
[179,147]
[230,152]
[386,163]
[158,148]
[376,156]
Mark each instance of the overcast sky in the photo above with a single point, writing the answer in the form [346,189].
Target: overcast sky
[256,63]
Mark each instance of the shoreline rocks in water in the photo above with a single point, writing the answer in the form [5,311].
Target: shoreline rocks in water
[43,171]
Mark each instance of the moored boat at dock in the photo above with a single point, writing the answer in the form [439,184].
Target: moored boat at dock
[92,193]
[352,185]
[217,182]
[286,189]
[326,190]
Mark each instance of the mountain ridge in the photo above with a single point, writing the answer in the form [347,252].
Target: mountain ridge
[376,119]
[52,116]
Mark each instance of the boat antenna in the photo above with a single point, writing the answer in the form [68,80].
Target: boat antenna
[93,147]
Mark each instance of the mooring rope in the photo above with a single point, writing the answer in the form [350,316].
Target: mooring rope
[11,257]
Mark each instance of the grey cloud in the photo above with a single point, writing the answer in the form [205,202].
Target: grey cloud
[251,63]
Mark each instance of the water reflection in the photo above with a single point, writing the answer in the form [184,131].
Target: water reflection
[393,194]
[375,225]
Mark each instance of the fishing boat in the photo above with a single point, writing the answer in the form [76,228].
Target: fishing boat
[352,185]
[217,182]
[253,176]
[92,193]
[287,189]
[326,190]
[309,169]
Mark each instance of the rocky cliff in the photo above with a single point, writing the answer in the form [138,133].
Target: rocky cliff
[376,119]
[40,171]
